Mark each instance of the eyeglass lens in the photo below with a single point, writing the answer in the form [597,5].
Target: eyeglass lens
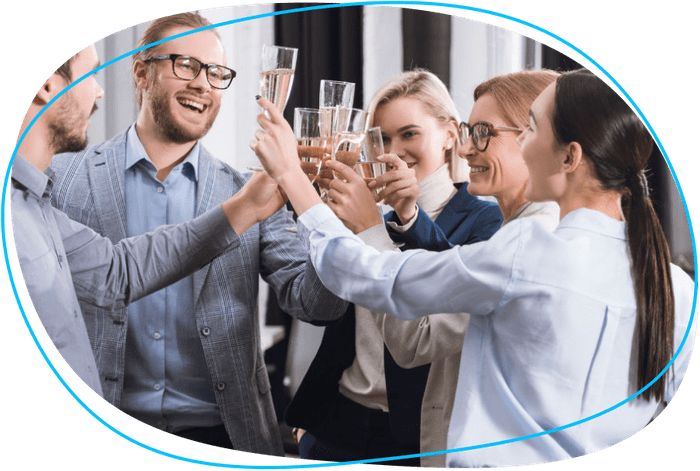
[480,134]
[187,68]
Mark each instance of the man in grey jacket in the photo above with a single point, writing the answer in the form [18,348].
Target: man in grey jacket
[63,261]
[187,359]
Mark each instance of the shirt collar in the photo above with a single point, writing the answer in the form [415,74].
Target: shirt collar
[136,153]
[594,221]
[30,177]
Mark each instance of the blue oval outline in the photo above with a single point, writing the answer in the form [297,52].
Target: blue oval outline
[322,7]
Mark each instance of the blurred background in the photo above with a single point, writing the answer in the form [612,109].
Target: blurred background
[366,45]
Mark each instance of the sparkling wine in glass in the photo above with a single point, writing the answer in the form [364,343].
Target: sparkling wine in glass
[338,97]
[277,76]
[369,166]
[312,130]
[347,144]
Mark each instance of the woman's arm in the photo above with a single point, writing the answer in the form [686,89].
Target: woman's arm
[425,340]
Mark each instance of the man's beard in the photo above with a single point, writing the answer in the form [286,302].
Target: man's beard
[63,132]
[159,105]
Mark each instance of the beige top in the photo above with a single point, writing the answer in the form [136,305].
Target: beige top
[364,382]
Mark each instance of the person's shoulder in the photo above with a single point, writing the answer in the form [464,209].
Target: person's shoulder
[77,161]
[208,160]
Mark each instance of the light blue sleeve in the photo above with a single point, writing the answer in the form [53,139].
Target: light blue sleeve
[414,283]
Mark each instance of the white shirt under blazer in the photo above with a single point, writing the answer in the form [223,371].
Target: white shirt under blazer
[550,336]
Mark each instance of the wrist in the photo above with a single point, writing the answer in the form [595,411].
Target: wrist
[405,216]
[236,213]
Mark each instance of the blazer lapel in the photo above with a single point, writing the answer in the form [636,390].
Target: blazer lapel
[214,186]
[104,169]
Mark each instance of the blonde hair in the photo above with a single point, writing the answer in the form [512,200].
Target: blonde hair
[432,92]
[515,93]
[158,30]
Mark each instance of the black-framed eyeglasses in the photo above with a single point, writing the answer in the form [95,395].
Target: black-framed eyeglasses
[481,133]
[188,68]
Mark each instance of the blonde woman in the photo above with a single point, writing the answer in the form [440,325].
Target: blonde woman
[355,402]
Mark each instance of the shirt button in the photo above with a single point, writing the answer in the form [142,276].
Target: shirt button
[159,189]
[206,331]
[220,386]
[156,386]
[156,335]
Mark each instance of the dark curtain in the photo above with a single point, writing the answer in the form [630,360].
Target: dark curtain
[330,47]
[555,60]
[426,41]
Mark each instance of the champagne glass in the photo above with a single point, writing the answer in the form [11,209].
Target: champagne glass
[312,129]
[277,76]
[347,144]
[337,96]
[369,166]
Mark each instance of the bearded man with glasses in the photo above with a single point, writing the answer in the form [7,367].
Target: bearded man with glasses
[187,359]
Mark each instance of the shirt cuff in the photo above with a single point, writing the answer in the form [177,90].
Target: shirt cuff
[377,237]
[316,216]
[401,228]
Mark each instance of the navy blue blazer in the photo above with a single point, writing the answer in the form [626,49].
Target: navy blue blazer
[464,220]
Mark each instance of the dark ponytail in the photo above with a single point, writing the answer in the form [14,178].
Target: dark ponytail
[618,145]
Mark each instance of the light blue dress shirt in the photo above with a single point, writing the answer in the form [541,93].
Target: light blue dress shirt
[550,336]
[166,379]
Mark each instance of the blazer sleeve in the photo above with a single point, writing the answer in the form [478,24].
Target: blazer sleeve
[427,234]
[425,340]
[286,267]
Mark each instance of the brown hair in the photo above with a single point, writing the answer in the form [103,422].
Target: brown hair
[515,93]
[616,143]
[432,92]
[65,70]
[158,30]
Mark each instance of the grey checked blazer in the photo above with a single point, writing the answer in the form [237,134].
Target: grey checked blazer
[89,187]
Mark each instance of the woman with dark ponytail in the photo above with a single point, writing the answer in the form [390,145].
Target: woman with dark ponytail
[618,148]
[570,330]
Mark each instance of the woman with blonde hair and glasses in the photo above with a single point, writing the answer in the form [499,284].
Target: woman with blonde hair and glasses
[355,402]
[572,332]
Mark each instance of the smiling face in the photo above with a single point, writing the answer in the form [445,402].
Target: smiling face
[181,111]
[499,170]
[542,153]
[414,135]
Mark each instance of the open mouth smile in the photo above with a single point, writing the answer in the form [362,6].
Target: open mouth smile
[192,105]
[478,169]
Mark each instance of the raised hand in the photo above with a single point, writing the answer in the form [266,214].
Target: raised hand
[275,144]
[276,149]
[400,187]
[351,200]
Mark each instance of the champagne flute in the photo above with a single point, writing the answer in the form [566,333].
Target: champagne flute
[312,129]
[337,96]
[277,76]
[369,166]
[347,144]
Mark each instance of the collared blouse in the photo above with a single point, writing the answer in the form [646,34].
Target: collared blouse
[550,337]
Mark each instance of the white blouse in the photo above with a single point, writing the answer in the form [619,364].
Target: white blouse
[550,336]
